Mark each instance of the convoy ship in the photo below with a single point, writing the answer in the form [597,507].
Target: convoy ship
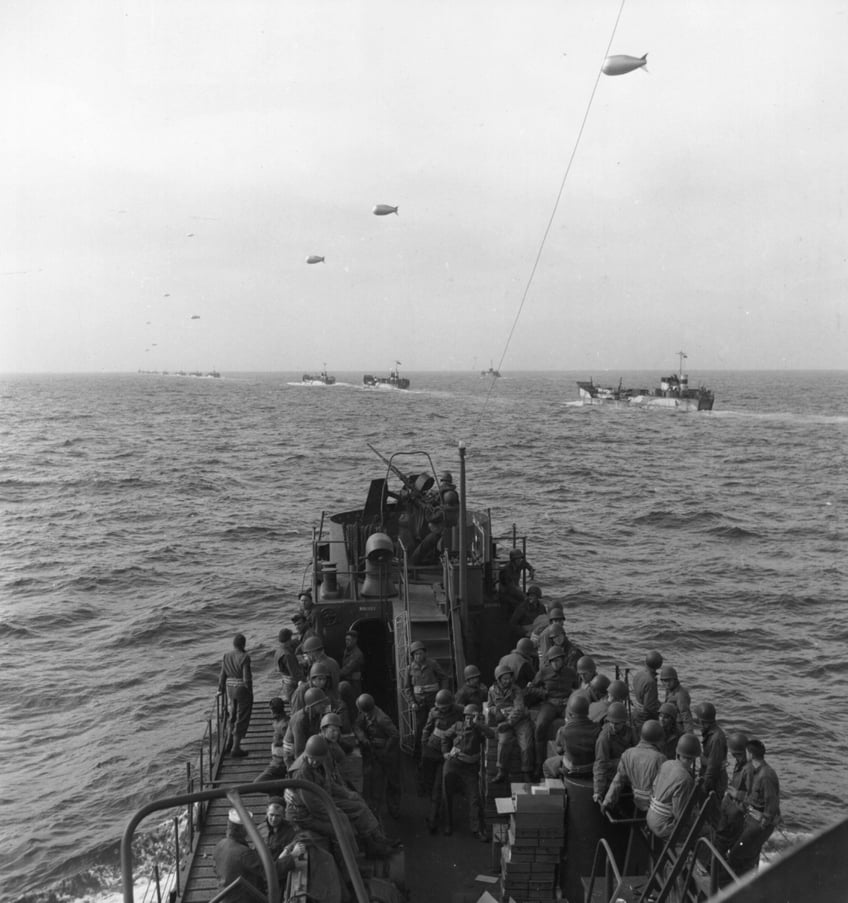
[673,392]
[321,379]
[393,381]
[375,569]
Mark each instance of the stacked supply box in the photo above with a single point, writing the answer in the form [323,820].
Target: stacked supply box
[531,856]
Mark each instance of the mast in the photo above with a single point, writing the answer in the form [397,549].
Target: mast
[682,355]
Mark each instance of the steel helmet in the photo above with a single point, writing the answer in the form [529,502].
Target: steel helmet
[320,669]
[365,703]
[578,705]
[534,590]
[314,696]
[704,711]
[600,683]
[737,741]
[515,554]
[471,671]
[556,613]
[316,746]
[417,646]
[669,708]
[525,646]
[471,709]
[331,719]
[501,670]
[689,745]
[586,663]
[668,673]
[617,713]
[444,697]
[654,660]
[312,644]
[652,732]
[446,477]
[617,690]
[555,652]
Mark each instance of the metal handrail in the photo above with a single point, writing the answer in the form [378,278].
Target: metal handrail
[718,864]
[611,866]
[233,795]
[244,885]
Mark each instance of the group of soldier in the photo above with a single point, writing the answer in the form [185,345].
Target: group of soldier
[617,733]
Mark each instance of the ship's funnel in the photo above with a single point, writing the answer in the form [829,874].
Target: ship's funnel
[379,552]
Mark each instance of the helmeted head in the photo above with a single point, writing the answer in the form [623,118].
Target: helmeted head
[600,684]
[556,615]
[331,719]
[239,642]
[578,705]
[315,698]
[555,654]
[277,706]
[418,650]
[446,477]
[688,747]
[471,711]
[704,713]
[534,591]
[668,674]
[346,691]
[313,645]
[617,713]
[668,715]
[652,732]
[586,668]
[617,691]
[516,555]
[503,675]
[319,674]
[444,700]
[284,635]
[653,660]
[316,748]
[736,743]
[471,672]
[525,647]
[365,703]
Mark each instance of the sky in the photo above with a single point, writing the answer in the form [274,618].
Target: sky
[167,166]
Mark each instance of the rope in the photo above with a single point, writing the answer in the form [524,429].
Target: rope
[550,219]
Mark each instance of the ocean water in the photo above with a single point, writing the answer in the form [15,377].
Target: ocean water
[147,518]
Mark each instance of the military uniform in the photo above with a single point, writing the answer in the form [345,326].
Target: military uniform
[508,712]
[464,747]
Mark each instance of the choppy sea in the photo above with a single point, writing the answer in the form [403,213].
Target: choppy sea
[147,518]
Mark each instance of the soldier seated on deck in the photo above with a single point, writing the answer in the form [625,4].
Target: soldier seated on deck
[234,859]
[509,714]
[310,851]
[575,743]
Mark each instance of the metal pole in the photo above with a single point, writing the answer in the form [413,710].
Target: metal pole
[462,594]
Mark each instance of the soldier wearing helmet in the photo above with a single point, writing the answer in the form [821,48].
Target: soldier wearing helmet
[678,694]
[672,787]
[473,691]
[353,662]
[508,712]
[762,813]
[305,723]
[527,612]
[668,720]
[510,579]
[617,691]
[616,735]
[287,663]
[713,766]
[307,812]
[380,743]
[731,817]
[574,743]
[463,751]
[586,671]
[339,747]
[320,677]
[597,695]
[313,649]
[552,685]
[638,767]
[522,661]
[645,704]
[440,721]
[424,679]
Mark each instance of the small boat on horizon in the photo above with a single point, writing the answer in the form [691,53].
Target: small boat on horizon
[491,371]
[393,381]
[673,392]
[321,379]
